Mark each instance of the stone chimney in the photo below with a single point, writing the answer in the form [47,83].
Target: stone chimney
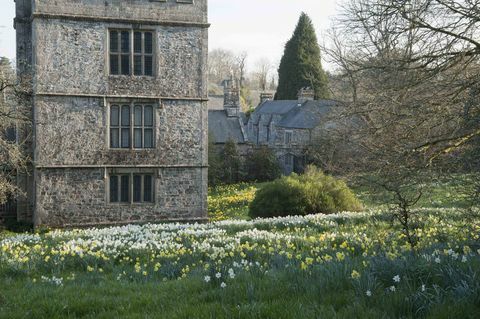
[231,97]
[306,94]
[264,97]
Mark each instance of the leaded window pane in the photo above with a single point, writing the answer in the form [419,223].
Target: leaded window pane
[126,115]
[137,65]
[149,65]
[137,188]
[113,189]
[113,41]
[124,193]
[148,143]
[125,64]
[138,115]
[137,42]
[148,188]
[148,42]
[125,138]
[114,138]
[148,111]
[125,42]
[138,137]
[114,66]
[114,115]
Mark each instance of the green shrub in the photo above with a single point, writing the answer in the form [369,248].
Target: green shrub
[310,193]
[261,165]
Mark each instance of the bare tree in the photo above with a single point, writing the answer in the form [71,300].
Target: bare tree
[241,60]
[263,68]
[14,119]
[411,69]
[222,63]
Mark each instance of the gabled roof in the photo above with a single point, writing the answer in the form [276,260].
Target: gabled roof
[294,114]
[224,128]
[276,107]
[308,115]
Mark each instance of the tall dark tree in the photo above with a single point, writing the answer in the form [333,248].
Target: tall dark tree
[301,65]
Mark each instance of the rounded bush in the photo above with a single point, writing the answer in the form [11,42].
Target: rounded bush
[310,193]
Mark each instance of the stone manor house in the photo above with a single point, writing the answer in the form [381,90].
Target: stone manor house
[119,110]
[286,127]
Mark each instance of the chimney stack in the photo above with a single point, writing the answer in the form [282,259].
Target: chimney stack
[231,97]
[306,94]
[264,97]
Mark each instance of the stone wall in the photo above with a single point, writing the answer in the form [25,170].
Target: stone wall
[76,196]
[67,44]
[71,58]
[74,131]
[141,10]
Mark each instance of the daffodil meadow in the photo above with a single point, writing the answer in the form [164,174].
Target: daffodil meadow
[348,265]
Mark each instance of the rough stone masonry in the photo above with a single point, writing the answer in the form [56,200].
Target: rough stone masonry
[119,110]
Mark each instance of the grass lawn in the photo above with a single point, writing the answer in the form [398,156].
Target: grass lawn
[349,265]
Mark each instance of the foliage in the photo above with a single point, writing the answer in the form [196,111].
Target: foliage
[310,193]
[214,162]
[301,64]
[225,164]
[230,201]
[261,165]
[282,197]
[348,265]
[231,163]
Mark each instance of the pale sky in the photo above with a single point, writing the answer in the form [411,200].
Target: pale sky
[259,27]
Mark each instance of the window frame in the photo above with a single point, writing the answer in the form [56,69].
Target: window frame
[132,127]
[131,174]
[288,138]
[131,54]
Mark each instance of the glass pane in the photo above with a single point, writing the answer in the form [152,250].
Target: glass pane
[138,137]
[148,138]
[114,67]
[113,189]
[149,65]
[125,64]
[125,42]
[125,138]
[137,65]
[148,111]
[113,41]
[137,42]
[137,188]
[148,42]
[114,115]
[148,188]
[125,115]
[138,115]
[124,194]
[114,138]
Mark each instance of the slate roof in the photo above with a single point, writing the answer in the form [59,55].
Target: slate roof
[308,115]
[276,107]
[224,128]
[296,115]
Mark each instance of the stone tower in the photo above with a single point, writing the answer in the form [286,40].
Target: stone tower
[119,109]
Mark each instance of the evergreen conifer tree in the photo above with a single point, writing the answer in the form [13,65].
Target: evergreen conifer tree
[301,65]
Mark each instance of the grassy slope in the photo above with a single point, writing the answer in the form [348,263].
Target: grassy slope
[325,292]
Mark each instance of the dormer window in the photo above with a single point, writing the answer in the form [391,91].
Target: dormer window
[128,59]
